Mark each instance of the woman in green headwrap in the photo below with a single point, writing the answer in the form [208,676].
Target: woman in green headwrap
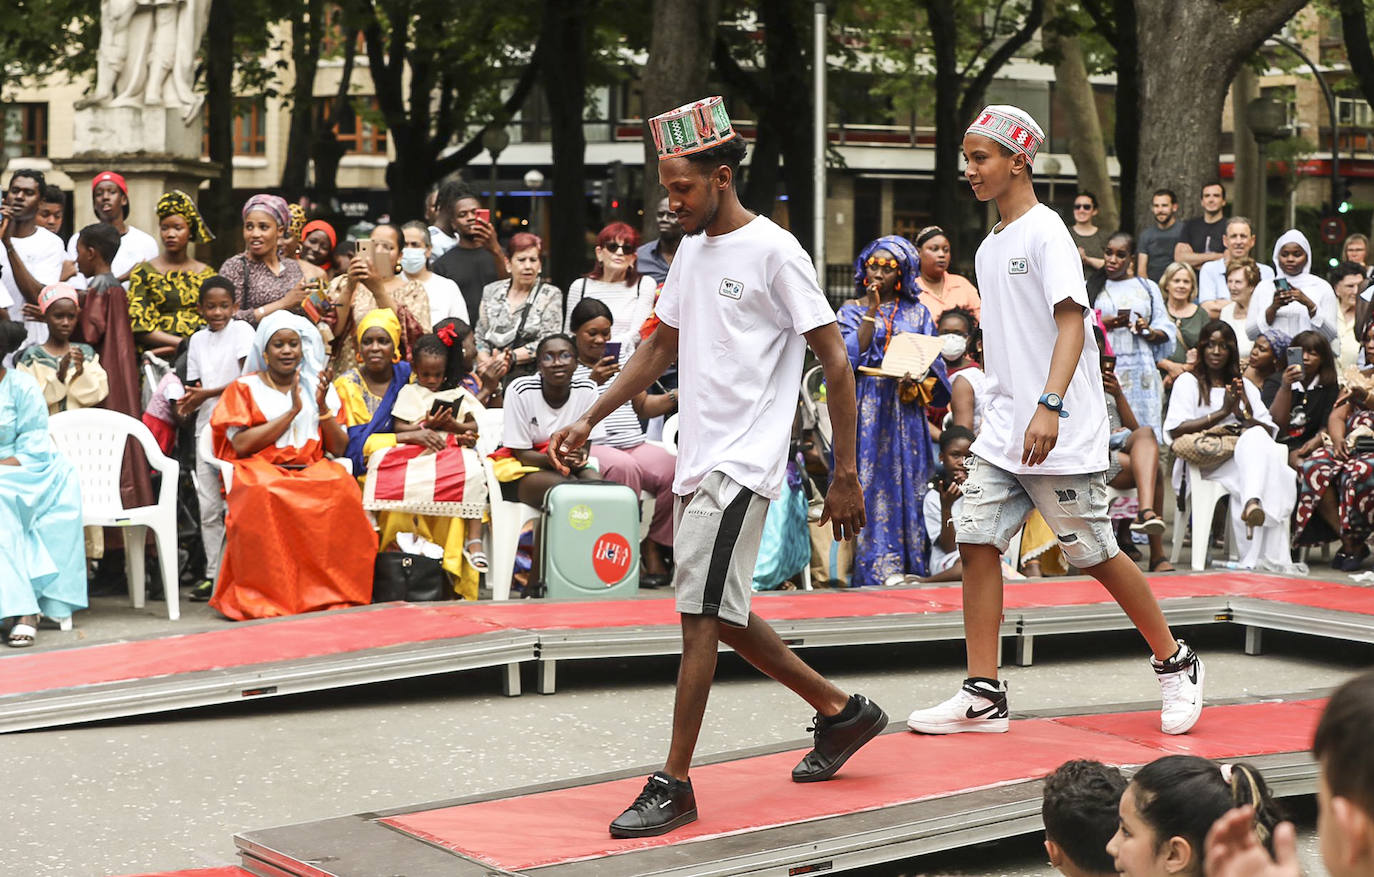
[164,293]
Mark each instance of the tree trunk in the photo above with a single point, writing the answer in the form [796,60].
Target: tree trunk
[949,200]
[1128,115]
[306,32]
[790,111]
[564,78]
[679,61]
[1245,194]
[1188,57]
[223,214]
[1086,145]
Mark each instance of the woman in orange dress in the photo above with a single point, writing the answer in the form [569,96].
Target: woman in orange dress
[296,536]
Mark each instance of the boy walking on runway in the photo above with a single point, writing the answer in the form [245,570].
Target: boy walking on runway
[738,308]
[1043,443]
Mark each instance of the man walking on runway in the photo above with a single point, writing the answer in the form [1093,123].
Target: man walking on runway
[1043,442]
[738,308]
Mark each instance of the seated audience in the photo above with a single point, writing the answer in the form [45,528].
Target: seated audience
[943,502]
[966,397]
[615,279]
[1171,804]
[957,329]
[1215,399]
[1296,299]
[68,373]
[264,282]
[1242,275]
[1133,462]
[1180,291]
[1347,281]
[1213,290]
[1345,802]
[482,380]
[275,424]
[374,283]
[42,564]
[1079,810]
[318,242]
[1303,399]
[1336,481]
[518,311]
[894,448]
[1138,326]
[623,454]
[445,298]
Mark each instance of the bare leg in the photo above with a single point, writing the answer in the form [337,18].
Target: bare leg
[700,634]
[1144,461]
[982,607]
[1127,585]
[761,646]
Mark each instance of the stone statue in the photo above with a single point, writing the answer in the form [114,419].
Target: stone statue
[147,54]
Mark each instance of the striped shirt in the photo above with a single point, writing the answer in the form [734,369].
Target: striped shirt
[621,425]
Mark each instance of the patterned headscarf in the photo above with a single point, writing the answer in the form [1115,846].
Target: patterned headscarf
[273,205]
[385,318]
[297,220]
[908,263]
[1279,342]
[178,203]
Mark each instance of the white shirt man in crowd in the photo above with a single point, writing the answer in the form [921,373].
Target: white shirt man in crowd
[110,201]
[1211,278]
[31,257]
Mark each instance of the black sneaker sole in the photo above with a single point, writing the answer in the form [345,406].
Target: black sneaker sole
[654,831]
[874,729]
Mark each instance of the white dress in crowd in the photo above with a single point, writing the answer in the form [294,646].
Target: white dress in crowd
[977,379]
[1294,318]
[1238,325]
[1259,469]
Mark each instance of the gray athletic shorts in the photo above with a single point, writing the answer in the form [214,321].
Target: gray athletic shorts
[716,536]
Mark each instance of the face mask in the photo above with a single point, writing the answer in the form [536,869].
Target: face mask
[953,345]
[412,260]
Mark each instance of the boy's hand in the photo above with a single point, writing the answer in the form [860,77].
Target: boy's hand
[1041,436]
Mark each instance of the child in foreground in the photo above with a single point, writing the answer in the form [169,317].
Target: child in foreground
[1080,815]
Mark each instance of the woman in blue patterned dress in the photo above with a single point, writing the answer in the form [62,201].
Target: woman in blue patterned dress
[894,450]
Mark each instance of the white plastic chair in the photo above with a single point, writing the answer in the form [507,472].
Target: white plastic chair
[205,447]
[1202,499]
[93,439]
[669,440]
[507,520]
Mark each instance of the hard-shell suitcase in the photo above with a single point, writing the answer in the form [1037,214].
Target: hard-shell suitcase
[589,543]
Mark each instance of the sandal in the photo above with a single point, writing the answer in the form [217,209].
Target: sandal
[1253,517]
[1161,561]
[1152,525]
[22,635]
[476,559]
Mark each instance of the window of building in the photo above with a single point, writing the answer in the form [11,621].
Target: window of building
[1354,111]
[23,130]
[356,132]
[250,127]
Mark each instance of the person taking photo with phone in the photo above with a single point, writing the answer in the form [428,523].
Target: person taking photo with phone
[477,260]
[373,281]
[1296,299]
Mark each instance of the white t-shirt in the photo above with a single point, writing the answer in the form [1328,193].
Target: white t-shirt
[440,243]
[445,300]
[621,425]
[212,358]
[977,380]
[741,302]
[630,305]
[1024,270]
[530,419]
[1228,316]
[1211,280]
[41,253]
[940,559]
[135,246]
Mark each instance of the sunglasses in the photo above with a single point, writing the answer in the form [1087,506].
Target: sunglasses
[618,247]
[1082,207]
[875,262]
[554,358]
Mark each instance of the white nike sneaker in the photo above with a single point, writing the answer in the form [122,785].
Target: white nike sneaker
[979,706]
[1180,683]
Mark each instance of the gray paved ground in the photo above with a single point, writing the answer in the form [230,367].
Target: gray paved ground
[167,792]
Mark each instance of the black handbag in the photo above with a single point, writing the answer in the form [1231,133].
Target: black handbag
[412,578]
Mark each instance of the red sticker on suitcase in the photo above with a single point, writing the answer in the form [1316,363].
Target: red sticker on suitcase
[611,558]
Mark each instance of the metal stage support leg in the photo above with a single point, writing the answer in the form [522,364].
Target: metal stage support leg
[510,680]
[548,671]
[1254,640]
[1025,649]
[1000,641]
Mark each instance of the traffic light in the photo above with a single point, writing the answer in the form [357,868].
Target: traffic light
[1343,196]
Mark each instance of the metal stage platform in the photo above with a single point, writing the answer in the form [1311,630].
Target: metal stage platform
[901,796]
[253,660]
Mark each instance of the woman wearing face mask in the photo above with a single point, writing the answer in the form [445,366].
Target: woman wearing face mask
[894,449]
[371,284]
[956,328]
[445,298]
[1138,328]
[1296,299]
[942,290]
[1336,483]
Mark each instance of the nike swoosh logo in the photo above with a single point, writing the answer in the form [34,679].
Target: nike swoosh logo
[978,714]
[664,804]
[1192,673]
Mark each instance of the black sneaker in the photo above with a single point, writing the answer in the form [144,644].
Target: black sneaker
[836,741]
[665,804]
[202,591]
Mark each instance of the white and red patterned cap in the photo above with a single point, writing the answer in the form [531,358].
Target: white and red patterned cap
[691,128]
[1010,126]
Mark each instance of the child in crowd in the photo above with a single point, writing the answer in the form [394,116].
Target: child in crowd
[1345,801]
[1170,805]
[944,500]
[435,403]
[69,373]
[214,359]
[1079,811]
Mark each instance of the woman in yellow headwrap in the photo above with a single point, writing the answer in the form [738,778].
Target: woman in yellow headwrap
[368,393]
[164,294]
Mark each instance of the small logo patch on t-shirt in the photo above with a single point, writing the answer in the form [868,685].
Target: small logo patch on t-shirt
[1017,266]
[731,288]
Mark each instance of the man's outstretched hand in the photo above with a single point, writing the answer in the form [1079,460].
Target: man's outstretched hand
[844,506]
[564,446]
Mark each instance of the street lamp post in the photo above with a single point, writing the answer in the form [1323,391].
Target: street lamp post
[533,180]
[1265,117]
[495,141]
